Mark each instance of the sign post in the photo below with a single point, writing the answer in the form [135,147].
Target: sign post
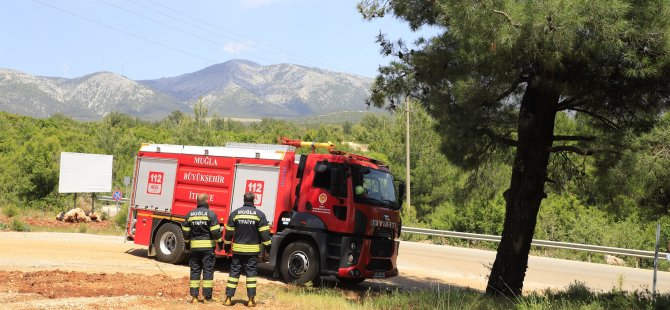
[126,182]
[658,237]
[117,197]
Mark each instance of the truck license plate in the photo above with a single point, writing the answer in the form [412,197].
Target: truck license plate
[379,274]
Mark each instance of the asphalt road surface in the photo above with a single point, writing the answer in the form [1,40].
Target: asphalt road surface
[421,265]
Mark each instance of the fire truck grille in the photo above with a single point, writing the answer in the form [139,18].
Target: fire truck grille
[382,232]
[381,248]
[379,265]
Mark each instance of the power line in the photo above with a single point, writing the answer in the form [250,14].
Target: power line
[124,32]
[173,27]
[307,60]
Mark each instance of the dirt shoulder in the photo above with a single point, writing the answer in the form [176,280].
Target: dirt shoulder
[80,271]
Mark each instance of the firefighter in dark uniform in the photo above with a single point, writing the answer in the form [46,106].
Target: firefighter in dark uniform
[246,230]
[202,228]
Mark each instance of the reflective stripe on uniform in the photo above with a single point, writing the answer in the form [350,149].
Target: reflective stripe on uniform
[215,227]
[219,240]
[198,218]
[267,242]
[184,228]
[264,228]
[229,228]
[232,282]
[194,283]
[207,283]
[251,285]
[251,279]
[227,242]
[246,217]
[246,247]
[202,243]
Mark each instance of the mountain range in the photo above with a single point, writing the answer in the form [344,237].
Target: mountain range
[236,88]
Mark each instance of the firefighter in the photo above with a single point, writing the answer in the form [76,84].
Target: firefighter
[246,230]
[202,228]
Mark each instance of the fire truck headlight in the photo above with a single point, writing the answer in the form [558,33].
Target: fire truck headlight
[350,258]
[352,246]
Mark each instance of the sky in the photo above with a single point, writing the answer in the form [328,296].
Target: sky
[150,39]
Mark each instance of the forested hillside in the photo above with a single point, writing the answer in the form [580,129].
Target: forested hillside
[596,201]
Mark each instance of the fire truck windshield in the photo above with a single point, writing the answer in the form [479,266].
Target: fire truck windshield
[374,187]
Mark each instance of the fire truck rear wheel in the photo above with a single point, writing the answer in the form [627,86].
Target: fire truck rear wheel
[169,244]
[300,263]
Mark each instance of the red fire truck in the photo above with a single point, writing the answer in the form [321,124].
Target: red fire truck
[331,214]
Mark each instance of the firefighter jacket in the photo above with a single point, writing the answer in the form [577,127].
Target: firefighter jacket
[201,228]
[246,229]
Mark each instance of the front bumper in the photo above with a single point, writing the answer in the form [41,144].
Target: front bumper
[375,258]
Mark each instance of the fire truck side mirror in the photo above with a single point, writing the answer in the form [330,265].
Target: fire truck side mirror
[401,192]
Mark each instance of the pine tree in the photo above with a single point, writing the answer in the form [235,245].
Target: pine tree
[498,73]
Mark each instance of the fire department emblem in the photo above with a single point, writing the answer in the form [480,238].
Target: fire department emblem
[386,217]
[323,198]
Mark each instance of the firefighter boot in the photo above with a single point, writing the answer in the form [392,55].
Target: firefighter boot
[228,301]
[211,300]
[251,302]
[192,299]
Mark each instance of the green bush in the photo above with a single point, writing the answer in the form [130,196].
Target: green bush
[18,225]
[10,211]
[121,216]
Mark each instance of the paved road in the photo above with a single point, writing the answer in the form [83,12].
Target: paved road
[421,265]
[470,267]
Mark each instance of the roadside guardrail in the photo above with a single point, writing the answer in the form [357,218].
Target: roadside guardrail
[538,243]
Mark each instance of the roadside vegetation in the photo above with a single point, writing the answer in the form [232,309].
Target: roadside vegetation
[592,201]
[577,296]
[616,203]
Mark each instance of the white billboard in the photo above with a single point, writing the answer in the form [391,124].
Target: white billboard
[85,173]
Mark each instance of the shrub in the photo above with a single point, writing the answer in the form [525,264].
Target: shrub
[18,225]
[10,211]
[121,216]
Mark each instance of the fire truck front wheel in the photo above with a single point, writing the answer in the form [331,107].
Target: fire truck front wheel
[300,263]
[169,244]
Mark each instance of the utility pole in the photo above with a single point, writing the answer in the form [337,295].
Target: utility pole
[407,177]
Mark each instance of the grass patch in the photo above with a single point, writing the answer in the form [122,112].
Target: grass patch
[18,225]
[82,228]
[10,211]
[576,296]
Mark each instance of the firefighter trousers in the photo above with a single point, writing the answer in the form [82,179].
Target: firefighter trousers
[250,269]
[202,262]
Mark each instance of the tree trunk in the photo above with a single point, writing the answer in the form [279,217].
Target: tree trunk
[526,191]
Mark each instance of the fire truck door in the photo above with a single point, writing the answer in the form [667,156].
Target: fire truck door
[155,183]
[260,180]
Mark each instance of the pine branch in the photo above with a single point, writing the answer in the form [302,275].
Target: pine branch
[509,19]
[603,119]
[569,103]
[498,138]
[510,90]
[574,138]
[570,148]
